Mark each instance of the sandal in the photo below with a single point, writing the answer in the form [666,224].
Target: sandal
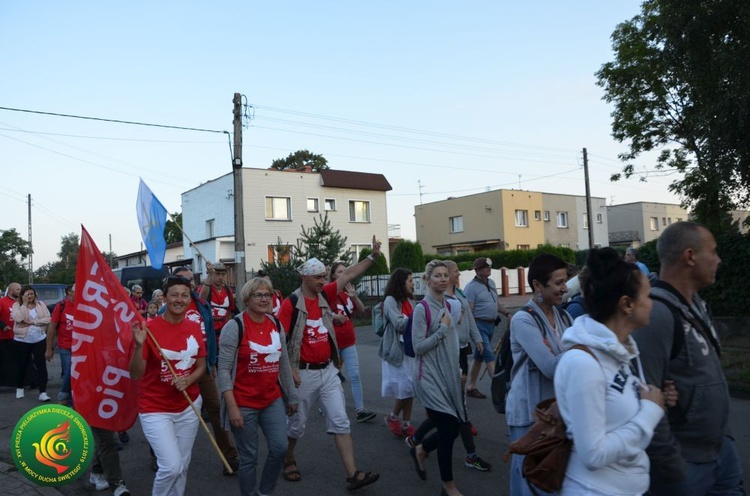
[293,474]
[474,393]
[361,479]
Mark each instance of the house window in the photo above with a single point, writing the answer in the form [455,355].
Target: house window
[278,208]
[546,216]
[669,221]
[522,218]
[279,253]
[654,223]
[312,204]
[357,249]
[679,219]
[359,211]
[457,224]
[537,215]
[329,204]
[585,220]
[664,221]
[562,220]
[210,228]
[599,219]
[522,247]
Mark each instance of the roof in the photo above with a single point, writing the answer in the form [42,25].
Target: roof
[354,180]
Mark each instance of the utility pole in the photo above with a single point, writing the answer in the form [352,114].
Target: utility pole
[589,214]
[239,216]
[419,183]
[31,248]
[111,258]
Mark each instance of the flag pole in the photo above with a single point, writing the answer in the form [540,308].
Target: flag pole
[188,238]
[192,405]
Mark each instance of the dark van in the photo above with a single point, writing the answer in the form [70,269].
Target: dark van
[146,277]
[51,294]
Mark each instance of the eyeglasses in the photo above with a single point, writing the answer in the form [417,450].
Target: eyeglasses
[261,296]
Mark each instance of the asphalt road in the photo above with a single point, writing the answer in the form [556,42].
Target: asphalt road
[322,474]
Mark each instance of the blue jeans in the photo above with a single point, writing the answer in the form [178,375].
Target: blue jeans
[722,476]
[351,362]
[518,484]
[64,394]
[272,420]
[486,329]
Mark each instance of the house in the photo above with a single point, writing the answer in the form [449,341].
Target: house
[277,204]
[508,220]
[174,256]
[633,224]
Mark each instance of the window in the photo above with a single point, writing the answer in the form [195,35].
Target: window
[562,219]
[278,208]
[546,216]
[522,218]
[522,247]
[599,219]
[359,211]
[279,253]
[210,228]
[312,204]
[654,223]
[664,221]
[585,220]
[679,219]
[669,221]
[537,215]
[457,224]
[357,249]
[330,204]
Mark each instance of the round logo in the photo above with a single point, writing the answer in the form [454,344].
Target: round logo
[52,445]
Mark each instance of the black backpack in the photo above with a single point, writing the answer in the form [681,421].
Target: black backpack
[504,361]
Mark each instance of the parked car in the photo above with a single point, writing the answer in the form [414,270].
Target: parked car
[145,276]
[51,294]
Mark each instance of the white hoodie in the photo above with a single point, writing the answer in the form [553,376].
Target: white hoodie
[600,403]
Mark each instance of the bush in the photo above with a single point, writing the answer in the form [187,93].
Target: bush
[408,255]
[284,276]
[378,268]
[509,259]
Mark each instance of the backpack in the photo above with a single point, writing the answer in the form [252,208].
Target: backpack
[500,384]
[406,333]
[378,319]
[546,446]
[241,326]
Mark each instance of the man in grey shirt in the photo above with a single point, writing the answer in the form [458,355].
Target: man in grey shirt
[481,294]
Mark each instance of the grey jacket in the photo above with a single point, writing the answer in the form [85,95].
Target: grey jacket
[227,368]
[694,429]
[467,328]
[295,334]
[437,380]
[391,345]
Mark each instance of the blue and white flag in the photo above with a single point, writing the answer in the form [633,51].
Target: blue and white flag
[152,217]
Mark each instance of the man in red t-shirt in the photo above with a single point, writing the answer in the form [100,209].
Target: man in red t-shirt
[61,326]
[216,292]
[7,357]
[315,360]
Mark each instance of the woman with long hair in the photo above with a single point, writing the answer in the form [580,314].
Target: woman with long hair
[31,318]
[397,368]
[609,411]
[348,303]
[254,378]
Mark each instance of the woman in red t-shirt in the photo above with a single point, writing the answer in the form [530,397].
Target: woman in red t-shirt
[167,419]
[347,303]
[255,379]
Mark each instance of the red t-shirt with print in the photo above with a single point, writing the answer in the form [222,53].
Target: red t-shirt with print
[6,303]
[193,315]
[62,315]
[344,332]
[183,345]
[256,384]
[315,347]
[222,306]
[276,299]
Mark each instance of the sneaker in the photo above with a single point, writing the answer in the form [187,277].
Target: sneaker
[120,489]
[408,430]
[394,424]
[473,429]
[474,393]
[410,442]
[19,393]
[477,463]
[43,397]
[98,481]
[364,416]
[124,437]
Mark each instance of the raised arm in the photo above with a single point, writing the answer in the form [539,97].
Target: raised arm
[358,269]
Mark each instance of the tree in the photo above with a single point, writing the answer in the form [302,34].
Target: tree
[408,255]
[283,271]
[299,160]
[680,85]
[378,267]
[173,228]
[322,242]
[13,251]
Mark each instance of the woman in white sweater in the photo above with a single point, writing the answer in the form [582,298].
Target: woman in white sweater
[609,411]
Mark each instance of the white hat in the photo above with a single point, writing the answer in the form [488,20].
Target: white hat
[312,267]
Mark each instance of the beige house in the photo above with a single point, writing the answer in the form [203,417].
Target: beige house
[507,220]
[173,256]
[277,204]
[632,224]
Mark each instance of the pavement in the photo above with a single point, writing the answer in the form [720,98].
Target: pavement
[322,474]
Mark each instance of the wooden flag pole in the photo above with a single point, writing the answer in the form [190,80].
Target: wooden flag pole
[188,238]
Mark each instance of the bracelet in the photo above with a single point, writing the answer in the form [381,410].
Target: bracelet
[370,257]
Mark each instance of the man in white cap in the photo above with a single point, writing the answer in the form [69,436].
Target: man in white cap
[308,320]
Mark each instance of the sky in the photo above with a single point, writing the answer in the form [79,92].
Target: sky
[444,98]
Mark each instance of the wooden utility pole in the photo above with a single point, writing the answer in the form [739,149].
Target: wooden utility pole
[589,214]
[31,248]
[239,216]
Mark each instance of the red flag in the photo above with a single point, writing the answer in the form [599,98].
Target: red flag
[103,392]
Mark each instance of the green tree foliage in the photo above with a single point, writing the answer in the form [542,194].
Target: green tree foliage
[13,251]
[378,268]
[680,85]
[322,242]
[172,229]
[301,159]
[283,273]
[408,255]
[64,269]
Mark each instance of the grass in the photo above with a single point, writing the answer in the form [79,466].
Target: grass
[735,358]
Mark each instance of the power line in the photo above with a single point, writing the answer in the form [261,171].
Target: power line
[105,138]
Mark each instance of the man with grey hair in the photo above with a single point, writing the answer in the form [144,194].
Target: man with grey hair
[631,256]
[692,452]
[140,303]
[307,319]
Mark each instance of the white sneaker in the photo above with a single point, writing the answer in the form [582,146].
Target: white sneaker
[120,489]
[43,397]
[19,393]
[98,481]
